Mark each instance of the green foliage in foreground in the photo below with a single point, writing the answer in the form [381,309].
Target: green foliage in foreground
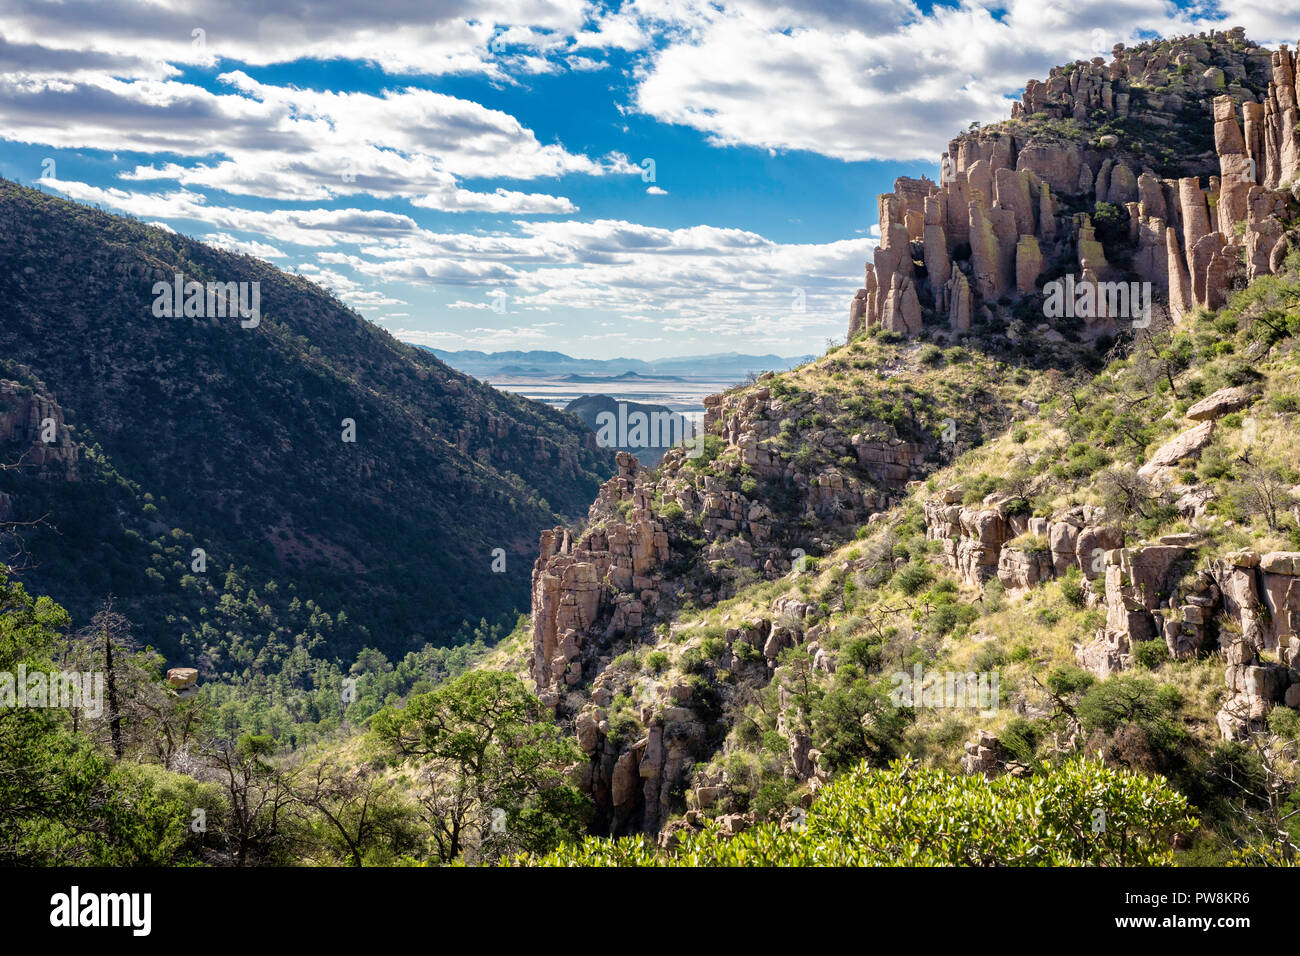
[1080,813]
[63,801]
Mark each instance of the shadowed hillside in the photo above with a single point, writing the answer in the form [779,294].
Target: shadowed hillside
[195,432]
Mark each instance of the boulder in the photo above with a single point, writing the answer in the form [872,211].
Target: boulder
[183,680]
[1222,402]
[1179,448]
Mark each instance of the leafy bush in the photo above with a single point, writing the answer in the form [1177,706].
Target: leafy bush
[713,648]
[912,577]
[1020,737]
[908,815]
[930,355]
[1069,679]
[1151,654]
[1072,588]
[948,616]
[995,595]
[1139,719]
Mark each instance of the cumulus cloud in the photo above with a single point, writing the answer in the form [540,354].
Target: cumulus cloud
[689,279]
[848,79]
[289,144]
[308,227]
[399,36]
[861,81]
[484,339]
[223,240]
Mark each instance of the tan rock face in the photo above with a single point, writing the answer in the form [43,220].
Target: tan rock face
[959,303]
[575,582]
[1180,291]
[1123,186]
[995,190]
[182,678]
[1221,403]
[1056,164]
[938,262]
[1151,196]
[1029,264]
[1195,215]
[986,254]
[612,581]
[1180,448]
[858,313]
[1020,571]
[1012,192]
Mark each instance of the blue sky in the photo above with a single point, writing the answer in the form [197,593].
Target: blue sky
[476,174]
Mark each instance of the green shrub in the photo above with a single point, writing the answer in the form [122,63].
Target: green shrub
[912,577]
[712,648]
[672,511]
[1072,588]
[623,726]
[945,617]
[1021,737]
[1151,654]
[995,595]
[1068,679]
[909,815]
[930,355]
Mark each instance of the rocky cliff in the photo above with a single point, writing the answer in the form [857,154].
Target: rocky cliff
[1099,174]
[33,435]
[790,469]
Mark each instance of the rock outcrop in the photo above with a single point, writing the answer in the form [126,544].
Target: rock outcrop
[994,224]
[975,540]
[1246,606]
[640,557]
[33,434]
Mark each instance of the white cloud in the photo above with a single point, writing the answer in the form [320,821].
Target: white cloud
[290,144]
[308,227]
[399,36]
[223,240]
[882,80]
[851,79]
[485,339]
[688,280]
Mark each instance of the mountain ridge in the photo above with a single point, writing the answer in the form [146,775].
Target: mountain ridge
[253,459]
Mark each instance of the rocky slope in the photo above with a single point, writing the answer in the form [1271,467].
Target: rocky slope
[1088,511]
[792,467]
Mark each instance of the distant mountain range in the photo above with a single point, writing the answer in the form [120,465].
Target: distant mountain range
[626,377]
[722,365]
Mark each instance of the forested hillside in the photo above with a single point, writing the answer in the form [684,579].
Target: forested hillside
[346,491]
